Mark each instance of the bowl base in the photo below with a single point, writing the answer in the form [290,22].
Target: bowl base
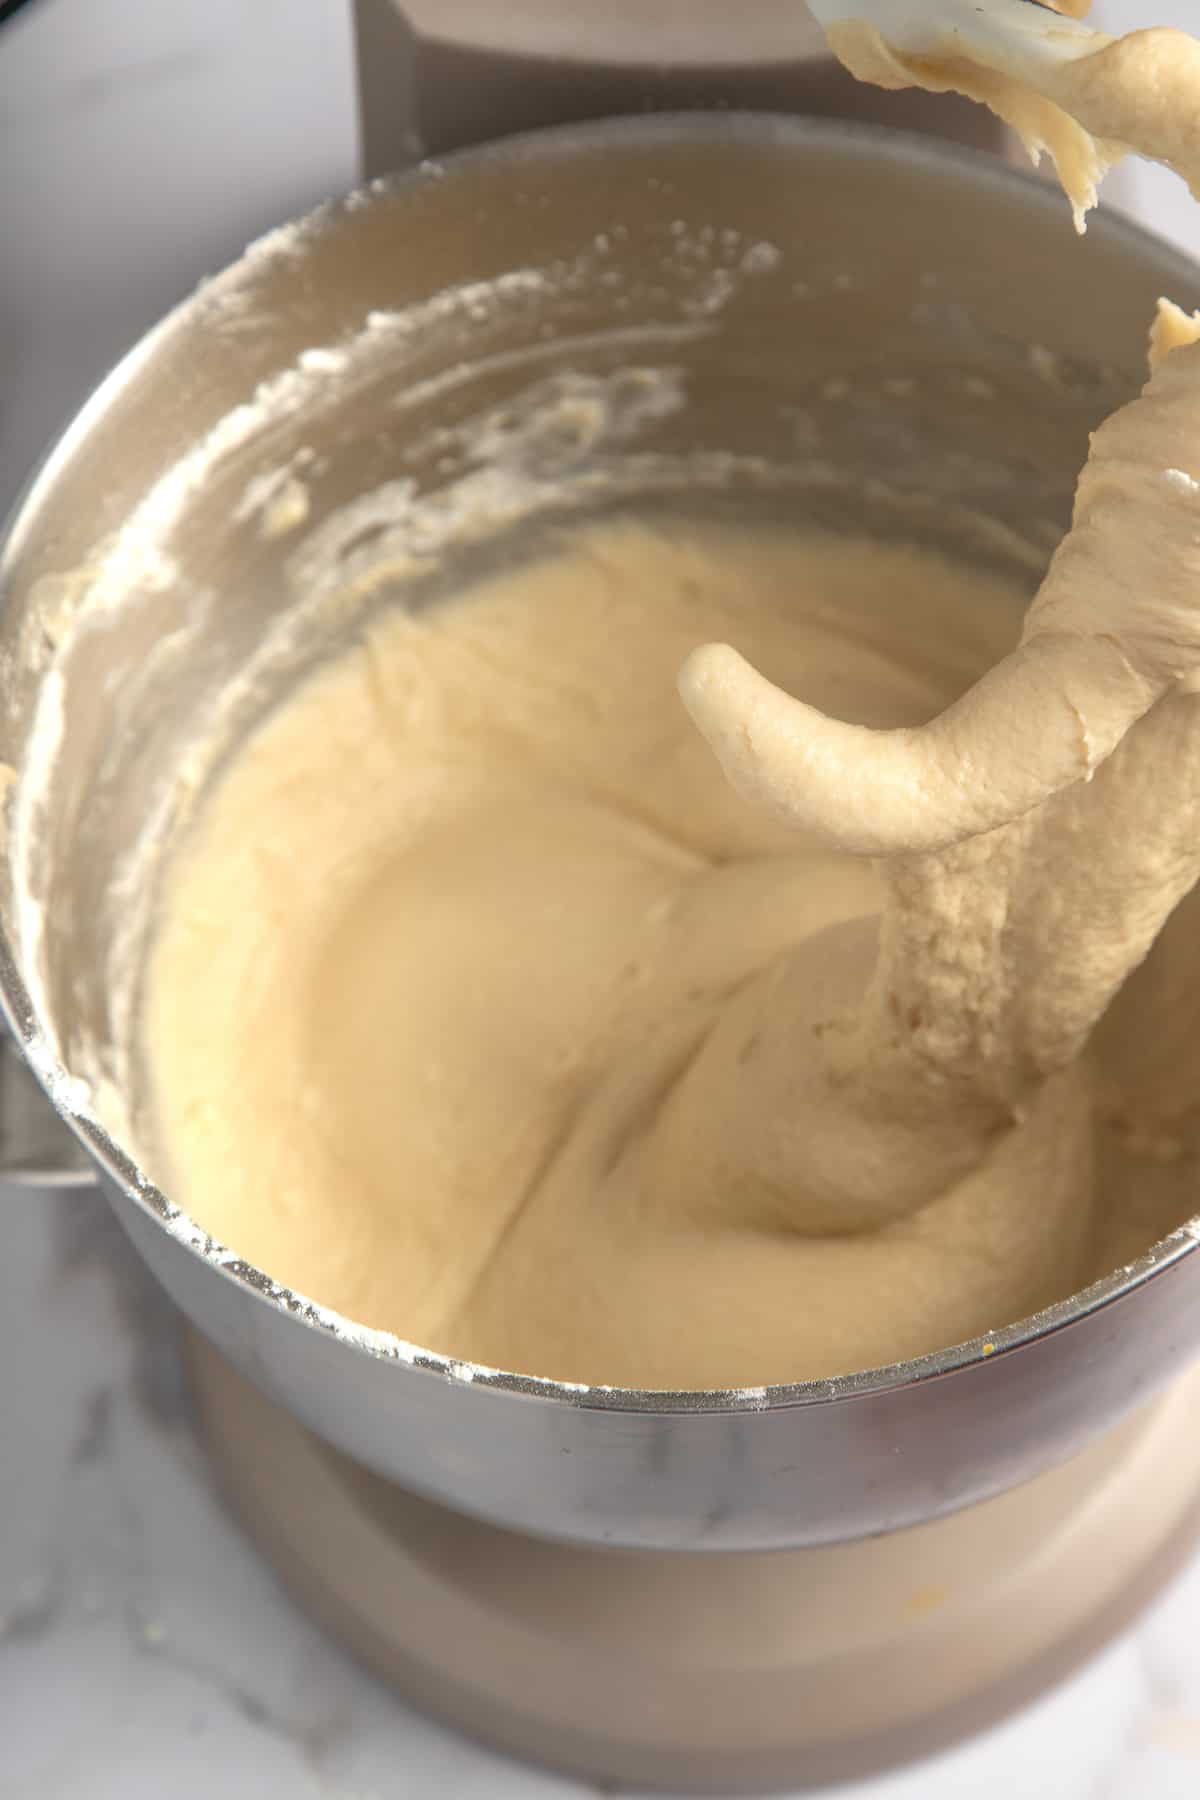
[718,1673]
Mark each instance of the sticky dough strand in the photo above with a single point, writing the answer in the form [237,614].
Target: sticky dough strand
[1089,100]
[1037,833]
[1099,647]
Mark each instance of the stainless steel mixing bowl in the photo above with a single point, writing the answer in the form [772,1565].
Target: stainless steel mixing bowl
[855,326]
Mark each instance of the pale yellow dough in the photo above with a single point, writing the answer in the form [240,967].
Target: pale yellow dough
[481,1011]
[466,922]
[1136,93]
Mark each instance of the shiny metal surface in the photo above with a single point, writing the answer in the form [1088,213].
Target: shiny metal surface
[930,325]
[35,1150]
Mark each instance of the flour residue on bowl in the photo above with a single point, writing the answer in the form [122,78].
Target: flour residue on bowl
[587,422]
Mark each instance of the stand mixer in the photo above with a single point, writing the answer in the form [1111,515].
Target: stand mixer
[744,1590]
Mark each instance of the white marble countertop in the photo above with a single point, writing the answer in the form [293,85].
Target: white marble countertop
[146,1652]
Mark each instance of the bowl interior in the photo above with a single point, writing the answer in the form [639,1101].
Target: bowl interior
[745,317]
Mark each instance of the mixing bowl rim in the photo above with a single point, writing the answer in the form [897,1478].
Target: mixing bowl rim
[120,1171]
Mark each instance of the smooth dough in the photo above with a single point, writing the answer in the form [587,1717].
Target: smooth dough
[482,1012]
[472,921]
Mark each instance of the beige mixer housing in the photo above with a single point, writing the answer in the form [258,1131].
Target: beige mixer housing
[439,75]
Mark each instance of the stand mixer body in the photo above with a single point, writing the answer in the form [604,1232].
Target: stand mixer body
[436,77]
[591,249]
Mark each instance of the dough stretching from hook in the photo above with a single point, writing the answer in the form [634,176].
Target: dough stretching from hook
[1038,834]
[1087,98]
[1115,626]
